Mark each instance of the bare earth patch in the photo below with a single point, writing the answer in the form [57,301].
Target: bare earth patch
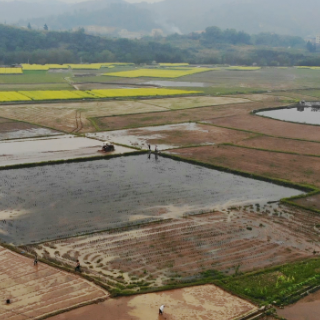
[287,145]
[38,291]
[194,102]
[202,302]
[177,116]
[269,127]
[295,168]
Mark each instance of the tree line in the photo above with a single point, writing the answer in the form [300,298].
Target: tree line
[214,46]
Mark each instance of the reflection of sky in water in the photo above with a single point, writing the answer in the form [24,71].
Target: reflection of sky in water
[299,114]
[139,137]
[55,201]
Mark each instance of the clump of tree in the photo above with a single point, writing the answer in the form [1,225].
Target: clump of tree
[311,47]
[23,45]
[215,37]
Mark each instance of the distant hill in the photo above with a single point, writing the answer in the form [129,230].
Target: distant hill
[117,15]
[292,17]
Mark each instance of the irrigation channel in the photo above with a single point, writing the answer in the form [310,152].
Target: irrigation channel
[308,113]
[63,200]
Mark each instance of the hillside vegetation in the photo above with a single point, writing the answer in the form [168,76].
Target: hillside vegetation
[214,46]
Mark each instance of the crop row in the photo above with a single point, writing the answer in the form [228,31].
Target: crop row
[158,73]
[10,96]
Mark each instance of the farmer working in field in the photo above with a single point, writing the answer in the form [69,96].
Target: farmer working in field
[161,309]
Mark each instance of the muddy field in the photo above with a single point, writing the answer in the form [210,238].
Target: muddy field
[73,117]
[203,303]
[10,129]
[286,145]
[63,147]
[102,194]
[307,308]
[177,116]
[296,168]
[239,239]
[37,291]
[269,127]
[172,136]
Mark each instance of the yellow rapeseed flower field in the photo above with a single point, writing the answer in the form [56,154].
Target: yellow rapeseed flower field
[244,68]
[93,66]
[158,73]
[8,96]
[173,64]
[34,67]
[144,92]
[57,95]
[306,67]
[10,70]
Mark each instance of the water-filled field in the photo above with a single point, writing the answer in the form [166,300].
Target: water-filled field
[62,147]
[49,202]
[301,114]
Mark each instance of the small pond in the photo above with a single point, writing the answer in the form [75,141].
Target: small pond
[301,114]
[47,202]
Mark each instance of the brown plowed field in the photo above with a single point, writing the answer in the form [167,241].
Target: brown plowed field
[38,291]
[287,145]
[295,168]
[203,303]
[244,237]
[178,116]
[269,126]
[65,116]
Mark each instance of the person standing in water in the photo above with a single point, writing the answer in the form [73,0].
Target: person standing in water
[161,309]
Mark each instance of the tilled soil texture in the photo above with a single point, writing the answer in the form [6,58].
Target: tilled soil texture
[238,239]
[82,197]
[278,144]
[10,129]
[268,126]
[38,291]
[312,202]
[296,168]
[173,136]
[178,116]
[307,308]
[63,147]
[73,117]
[202,302]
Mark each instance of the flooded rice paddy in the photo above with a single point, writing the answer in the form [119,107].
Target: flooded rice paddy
[63,147]
[139,138]
[64,200]
[22,130]
[202,302]
[301,114]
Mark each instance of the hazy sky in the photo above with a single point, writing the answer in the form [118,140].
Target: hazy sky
[75,1]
